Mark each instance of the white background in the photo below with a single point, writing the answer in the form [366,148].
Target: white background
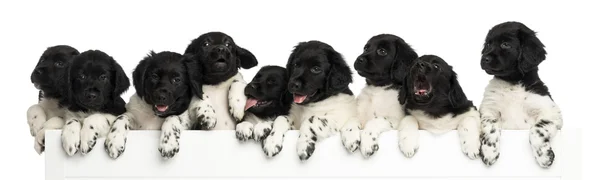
[452,30]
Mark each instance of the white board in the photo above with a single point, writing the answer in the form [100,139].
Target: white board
[218,154]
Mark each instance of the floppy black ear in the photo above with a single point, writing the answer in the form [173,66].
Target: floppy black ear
[404,57]
[194,73]
[68,85]
[139,74]
[246,58]
[340,75]
[456,96]
[532,50]
[120,79]
[403,91]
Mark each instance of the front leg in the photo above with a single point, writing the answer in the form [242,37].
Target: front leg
[237,99]
[369,135]
[468,133]
[310,131]
[351,135]
[171,133]
[40,136]
[408,136]
[262,130]
[36,116]
[204,114]
[540,137]
[117,137]
[244,130]
[70,136]
[273,143]
[490,138]
[94,126]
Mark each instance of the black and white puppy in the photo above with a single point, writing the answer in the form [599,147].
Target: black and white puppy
[95,83]
[163,94]
[516,98]
[49,77]
[223,85]
[267,108]
[435,102]
[384,56]
[323,102]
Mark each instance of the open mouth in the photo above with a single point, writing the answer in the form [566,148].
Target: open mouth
[300,98]
[161,108]
[422,86]
[251,102]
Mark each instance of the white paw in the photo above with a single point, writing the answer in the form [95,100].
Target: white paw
[262,130]
[88,139]
[35,119]
[408,144]
[243,131]
[206,117]
[305,149]
[489,153]
[471,149]
[351,139]
[169,143]
[236,107]
[544,156]
[115,143]
[35,126]
[368,144]
[70,138]
[273,144]
[39,144]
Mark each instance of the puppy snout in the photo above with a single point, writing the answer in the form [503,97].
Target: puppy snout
[253,85]
[361,60]
[91,95]
[39,71]
[487,59]
[161,95]
[221,49]
[295,85]
[422,66]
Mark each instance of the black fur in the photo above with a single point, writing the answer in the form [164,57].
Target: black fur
[50,72]
[385,58]
[95,83]
[512,52]
[445,95]
[164,79]
[317,71]
[269,85]
[221,57]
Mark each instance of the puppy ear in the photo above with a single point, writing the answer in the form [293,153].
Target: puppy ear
[139,74]
[340,75]
[120,79]
[68,85]
[532,50]
[404,57]
[403,90]
[246,58]
[456,96]
[194,73]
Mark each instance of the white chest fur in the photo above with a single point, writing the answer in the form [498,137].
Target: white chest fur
[51,108]
[516,107]
[218,96]
[442,124]
[379,102]
[143,116]
[336,109]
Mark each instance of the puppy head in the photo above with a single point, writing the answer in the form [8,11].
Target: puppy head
[96,81]
[510,48]
[384,55]
[431,79]
[163,81]
[268,90]
[316,72]
[220,56]
[50,72]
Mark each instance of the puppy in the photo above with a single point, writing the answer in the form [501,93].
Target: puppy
[384,56]
[163,94]
[323,102]
[221,59]
[267,108]
[516,97]
[95,82]
[49,78]
[434,101]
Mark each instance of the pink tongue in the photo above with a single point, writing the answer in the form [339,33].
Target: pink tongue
[422,91]
[161,108]
[250,103]
[299,99]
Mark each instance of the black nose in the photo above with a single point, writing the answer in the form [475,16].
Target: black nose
[253,85]
[37,71]
[296,85]
[91,95]
[421,65]
[220,49]
[361,60]
[487,59]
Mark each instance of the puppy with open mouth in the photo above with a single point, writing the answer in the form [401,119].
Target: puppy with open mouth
[163,93]
[267,108]
[95,83]
[49,78]
[385,56]
[434,101]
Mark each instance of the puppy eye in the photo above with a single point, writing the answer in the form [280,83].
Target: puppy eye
[365,48]
[381,52]
[176,80]
[59,64]
[505,45]
[154,76]
[226,44]
[42,60]
[315,70]
[270,82]
[81,76]
[436,66]
[296,65]
[206,44]
[102,77]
